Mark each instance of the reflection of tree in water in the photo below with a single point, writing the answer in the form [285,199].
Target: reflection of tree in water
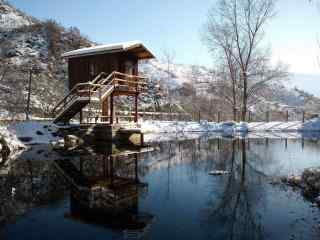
[237,210]
[195,154]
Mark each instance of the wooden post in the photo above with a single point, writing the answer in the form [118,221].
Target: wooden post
[81,116]
[111,170]
[105,110]
[111,109]
[303,116]
[287,116]
[199,116]
[286,143]
[104,172]
[141,139]
[267,116]
[219,116]
[249,116]
[107,158]
[136,168]
[136,108]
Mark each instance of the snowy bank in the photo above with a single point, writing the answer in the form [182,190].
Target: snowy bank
[229,128]
[33,132]
[308,182]
[11,139]
[18,135]
[183,127]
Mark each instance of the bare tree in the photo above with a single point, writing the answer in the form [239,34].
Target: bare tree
[168,59]
[225,86]
[234,30]
[220,41]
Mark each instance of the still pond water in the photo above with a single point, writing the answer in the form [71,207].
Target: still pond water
[182,200]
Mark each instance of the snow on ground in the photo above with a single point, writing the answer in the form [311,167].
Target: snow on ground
[34,132]
[179,126]
[14,143]
[229,127]
[183,127]
[275,126]
[19,134]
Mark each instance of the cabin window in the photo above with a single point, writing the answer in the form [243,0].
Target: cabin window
[129,67]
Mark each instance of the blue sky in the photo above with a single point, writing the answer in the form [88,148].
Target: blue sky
[176,25]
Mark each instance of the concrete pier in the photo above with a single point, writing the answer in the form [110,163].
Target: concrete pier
[98,134]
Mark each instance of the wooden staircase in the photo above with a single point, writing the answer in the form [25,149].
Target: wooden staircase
[95,91]
[79,97]
[71,173]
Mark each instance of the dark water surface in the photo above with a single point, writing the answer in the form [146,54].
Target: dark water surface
[182,201]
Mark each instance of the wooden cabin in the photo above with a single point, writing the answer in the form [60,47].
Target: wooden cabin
[99,74]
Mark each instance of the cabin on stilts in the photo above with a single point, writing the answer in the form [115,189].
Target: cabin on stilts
[96,76]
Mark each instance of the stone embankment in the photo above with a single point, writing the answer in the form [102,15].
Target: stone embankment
[308,182]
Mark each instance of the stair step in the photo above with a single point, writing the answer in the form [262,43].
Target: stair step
[80,102]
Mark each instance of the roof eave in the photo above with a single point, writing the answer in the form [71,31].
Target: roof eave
[75,54]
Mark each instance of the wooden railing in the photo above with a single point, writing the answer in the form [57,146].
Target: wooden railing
[120,82]
[79,90]
[132,82]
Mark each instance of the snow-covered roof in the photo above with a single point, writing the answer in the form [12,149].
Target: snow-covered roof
[136,47]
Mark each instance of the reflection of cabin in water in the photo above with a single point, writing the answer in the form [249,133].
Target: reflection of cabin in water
[107,182]
[105,190]
[97,75]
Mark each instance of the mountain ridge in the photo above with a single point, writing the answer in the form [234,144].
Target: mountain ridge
[26,41]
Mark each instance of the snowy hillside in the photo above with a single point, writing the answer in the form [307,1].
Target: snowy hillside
[307,82]
[179,73]
[11,18]
[26,41]
[280,97]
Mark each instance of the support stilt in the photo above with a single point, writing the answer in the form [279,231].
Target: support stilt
[136,108]
[111,109]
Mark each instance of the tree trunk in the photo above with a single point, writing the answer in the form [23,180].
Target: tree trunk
[245,97]
[244,160]
[234,103]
